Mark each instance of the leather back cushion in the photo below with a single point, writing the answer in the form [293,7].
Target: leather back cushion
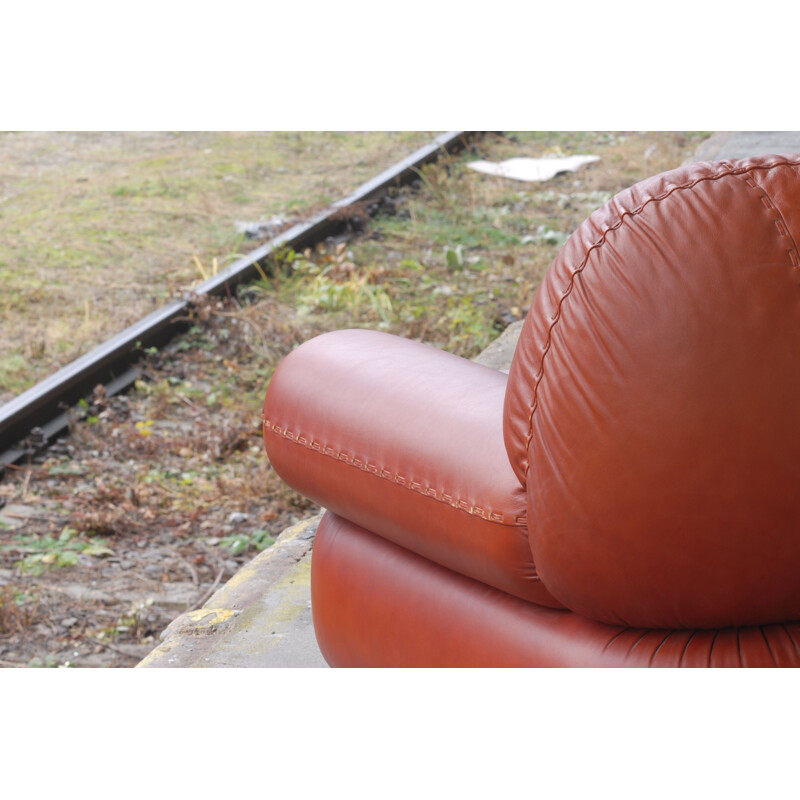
[653,405]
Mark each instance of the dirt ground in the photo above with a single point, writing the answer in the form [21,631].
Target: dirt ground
[155,499]
[158,496]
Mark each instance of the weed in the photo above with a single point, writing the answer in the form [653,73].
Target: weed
[63,469]
[241,543]
[40,553]
[454,256]
[48,662]
[135,623]
[18,609]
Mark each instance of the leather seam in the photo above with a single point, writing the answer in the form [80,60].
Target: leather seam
[780,222]
[730,171]
[393,477]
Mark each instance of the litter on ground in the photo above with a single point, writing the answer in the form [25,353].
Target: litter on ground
[532,169]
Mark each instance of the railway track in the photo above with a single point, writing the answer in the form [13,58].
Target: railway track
[39,414]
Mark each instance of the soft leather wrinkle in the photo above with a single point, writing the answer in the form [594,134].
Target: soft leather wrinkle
[406,440]
[405,611]
[653,404]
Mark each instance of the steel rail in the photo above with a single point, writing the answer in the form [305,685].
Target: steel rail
[112,362]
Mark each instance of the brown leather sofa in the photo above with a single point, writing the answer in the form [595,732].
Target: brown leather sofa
[629,495]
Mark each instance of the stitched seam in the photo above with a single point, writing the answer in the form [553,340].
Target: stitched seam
[596,246]
[393,477]
[780,222]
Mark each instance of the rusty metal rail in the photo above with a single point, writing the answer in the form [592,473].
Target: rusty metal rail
[113,363]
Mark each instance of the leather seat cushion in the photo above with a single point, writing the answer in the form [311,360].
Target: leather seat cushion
[378,605]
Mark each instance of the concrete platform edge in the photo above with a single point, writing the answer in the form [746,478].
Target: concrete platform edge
[193,637]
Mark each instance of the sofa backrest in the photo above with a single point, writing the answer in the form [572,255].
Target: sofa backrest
[653,404]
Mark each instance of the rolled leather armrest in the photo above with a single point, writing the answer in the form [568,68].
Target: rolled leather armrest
[406,441]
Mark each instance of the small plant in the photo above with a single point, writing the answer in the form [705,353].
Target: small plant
[45,552]
[144,427]
[17,609]
[454,256]
[135,623]
[241,543]
[353,296]
[546,235]
[50,662]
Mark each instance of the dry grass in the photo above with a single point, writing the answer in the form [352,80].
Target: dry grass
[98,229]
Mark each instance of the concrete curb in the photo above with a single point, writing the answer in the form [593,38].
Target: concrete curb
[244,624]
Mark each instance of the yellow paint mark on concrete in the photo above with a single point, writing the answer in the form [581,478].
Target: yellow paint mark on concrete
[289,595]
[210,616]
[292,589]
[299,575]
[267,622]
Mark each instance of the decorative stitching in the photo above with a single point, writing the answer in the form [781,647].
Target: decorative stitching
[780,222]
[730,170]
[394,477]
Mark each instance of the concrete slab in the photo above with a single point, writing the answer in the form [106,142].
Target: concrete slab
[260,618]
[742,144]
[499,353]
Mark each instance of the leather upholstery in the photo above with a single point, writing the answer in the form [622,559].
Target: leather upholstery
[406,440]
[653,406]
[627,496]
[378,605]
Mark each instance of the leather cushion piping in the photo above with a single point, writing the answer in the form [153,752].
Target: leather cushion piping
[394,477]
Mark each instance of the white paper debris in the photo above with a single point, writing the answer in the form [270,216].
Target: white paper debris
[532,169]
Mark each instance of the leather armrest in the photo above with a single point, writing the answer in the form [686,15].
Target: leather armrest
[405,440]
